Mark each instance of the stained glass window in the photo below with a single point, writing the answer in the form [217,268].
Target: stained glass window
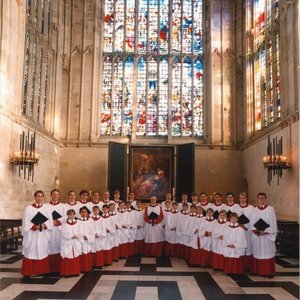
[152,74]
[263,61]
[36,60]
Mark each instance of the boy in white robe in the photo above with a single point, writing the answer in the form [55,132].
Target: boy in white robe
[247,210]
[153,228]
[140,228]
[132,228]
[114,236]
[124,234]
[263,240]
[171,224]
[71,247]
[36,237]
[57,210]
[183,219]
[218,259]
[195,241]
[205,235]
[100,231]
[88,233]
[107,243]
[234,246]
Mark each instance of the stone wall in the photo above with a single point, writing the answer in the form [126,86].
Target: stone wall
[16,192]
[285,196]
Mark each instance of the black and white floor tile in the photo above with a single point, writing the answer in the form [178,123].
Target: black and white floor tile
[145,278]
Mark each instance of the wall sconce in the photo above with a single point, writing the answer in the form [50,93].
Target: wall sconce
[275,162]
[26,158]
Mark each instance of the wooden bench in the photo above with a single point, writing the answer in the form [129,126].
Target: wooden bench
[11,236]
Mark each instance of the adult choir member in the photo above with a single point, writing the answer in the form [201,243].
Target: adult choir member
[153,228]
[37,224]
[264,231]
[57,210]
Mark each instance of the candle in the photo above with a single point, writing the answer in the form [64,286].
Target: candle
[173,192]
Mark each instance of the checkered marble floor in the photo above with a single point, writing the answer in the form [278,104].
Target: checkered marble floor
[146,278]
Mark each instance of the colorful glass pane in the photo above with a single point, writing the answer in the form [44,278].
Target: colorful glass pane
[128,95]
[164,26]
[176,25]
[152,97]
[141,96]
[187,22]
[153,26]
[163,97]
[176,97]
[108,25]
[198,98]
[142,26]
[198,40]
[117,98]
[187,77]
[119,25]
[106,97]
[130,22]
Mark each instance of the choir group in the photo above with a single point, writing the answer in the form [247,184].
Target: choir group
[77,236]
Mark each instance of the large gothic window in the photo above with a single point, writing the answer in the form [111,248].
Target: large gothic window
[36,69]
[152,72]
[263,63]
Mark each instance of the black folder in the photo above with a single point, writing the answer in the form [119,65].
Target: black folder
[216,214]
[39,219]
[243,219]
[56,215]
[261,225]
[153,216]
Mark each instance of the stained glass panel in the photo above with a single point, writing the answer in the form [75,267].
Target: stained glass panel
[198,48]
[176,25]
[130,24]
[164,26]
[198,98]
[119,25]
[142,26]
[128,95]
[187,21]
[163,97]
[176,97]
[152,97]
[106,96]
[141,96]
[108,25]
[187,74]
